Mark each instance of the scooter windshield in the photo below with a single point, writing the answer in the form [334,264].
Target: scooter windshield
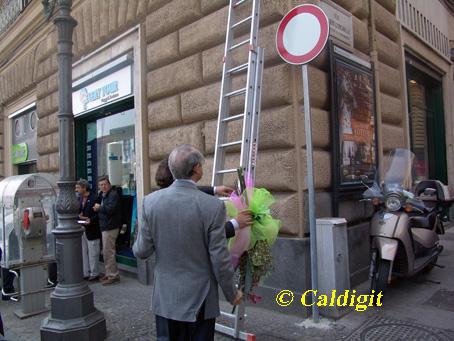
[399,168]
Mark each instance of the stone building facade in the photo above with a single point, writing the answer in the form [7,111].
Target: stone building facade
[175,50]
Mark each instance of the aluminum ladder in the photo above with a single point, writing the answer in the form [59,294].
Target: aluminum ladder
[251,93]
[249,117]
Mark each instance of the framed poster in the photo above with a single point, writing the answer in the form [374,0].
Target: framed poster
[353,120]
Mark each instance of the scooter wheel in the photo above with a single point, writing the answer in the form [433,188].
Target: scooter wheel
[380,278]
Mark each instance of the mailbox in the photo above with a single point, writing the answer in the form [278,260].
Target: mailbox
[27,218]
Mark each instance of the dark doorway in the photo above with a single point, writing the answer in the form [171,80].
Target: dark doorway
[427,124]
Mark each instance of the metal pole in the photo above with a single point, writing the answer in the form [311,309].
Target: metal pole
[310,188]
[73,315]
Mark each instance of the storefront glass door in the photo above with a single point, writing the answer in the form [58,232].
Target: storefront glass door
[106,146]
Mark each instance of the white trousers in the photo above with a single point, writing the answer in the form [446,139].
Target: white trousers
[90,256]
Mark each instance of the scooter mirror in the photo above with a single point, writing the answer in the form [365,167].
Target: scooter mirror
[364,179]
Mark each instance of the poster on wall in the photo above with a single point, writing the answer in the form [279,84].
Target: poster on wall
[354,119]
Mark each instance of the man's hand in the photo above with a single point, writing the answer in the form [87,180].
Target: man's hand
[244,219]
[238,298]
[223,191]
[96,207]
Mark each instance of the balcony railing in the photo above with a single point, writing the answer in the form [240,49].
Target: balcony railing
[428,31]
[9,11]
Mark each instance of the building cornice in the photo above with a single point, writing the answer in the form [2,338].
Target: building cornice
[449,4]
[22,31]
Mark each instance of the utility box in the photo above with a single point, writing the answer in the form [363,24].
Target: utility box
[332,263]
[27,218]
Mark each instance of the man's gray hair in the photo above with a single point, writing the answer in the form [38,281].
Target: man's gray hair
[182,161]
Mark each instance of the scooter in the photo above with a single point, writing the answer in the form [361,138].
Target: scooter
[404,230]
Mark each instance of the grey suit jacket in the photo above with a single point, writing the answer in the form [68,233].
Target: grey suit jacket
[185,228]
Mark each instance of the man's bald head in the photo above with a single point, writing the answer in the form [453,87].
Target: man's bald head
[182,161]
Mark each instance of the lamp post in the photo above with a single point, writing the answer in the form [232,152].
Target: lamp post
[73,315]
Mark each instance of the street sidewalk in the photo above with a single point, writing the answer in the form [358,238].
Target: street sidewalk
[418,308]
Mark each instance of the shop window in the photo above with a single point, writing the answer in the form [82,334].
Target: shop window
[24,151]
[110,150]
[105,145]
[426,120]
[418,118]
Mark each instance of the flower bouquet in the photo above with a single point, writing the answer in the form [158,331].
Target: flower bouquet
[250,249]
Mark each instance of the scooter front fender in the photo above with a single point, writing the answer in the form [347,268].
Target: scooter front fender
[387,247]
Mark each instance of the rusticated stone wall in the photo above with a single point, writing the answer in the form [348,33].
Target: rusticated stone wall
[184,49]
[390,66]
[184,59]
[98,23]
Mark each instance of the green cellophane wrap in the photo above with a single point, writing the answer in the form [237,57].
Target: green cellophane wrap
[231,210]
[265,227]
[255,262]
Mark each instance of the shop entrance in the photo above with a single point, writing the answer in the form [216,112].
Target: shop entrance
[105,145]
[427,124]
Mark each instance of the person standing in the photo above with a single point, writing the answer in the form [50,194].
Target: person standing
[185,228]
[109,215]
[164,179]
[91,239]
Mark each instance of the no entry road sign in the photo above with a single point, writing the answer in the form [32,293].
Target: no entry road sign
[302,34]
[300,37]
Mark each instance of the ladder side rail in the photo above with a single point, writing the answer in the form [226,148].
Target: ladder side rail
[224,103]
[255,125]
[255,24]
[245,148]
[239,319]
[247,119]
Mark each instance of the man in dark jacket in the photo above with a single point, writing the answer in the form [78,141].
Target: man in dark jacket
[109,215]
[91,239]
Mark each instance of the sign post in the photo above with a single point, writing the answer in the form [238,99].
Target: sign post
[301,36]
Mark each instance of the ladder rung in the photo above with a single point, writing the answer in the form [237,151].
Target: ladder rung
[225,171]
[233,118]
[241,22]
[239,44]
[236,92]
[223,313]
[238,68]
[229,144]
[239,3]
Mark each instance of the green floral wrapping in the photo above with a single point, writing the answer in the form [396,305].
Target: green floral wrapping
[231,210]
[265,227]
[250,249]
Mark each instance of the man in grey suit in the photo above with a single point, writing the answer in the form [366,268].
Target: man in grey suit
[185,228]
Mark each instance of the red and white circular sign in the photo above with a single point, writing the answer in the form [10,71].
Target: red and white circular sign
[302,34]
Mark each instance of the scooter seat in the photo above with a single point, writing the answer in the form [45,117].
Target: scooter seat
[426,222]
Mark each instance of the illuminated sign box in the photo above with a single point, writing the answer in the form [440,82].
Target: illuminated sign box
[108,89]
